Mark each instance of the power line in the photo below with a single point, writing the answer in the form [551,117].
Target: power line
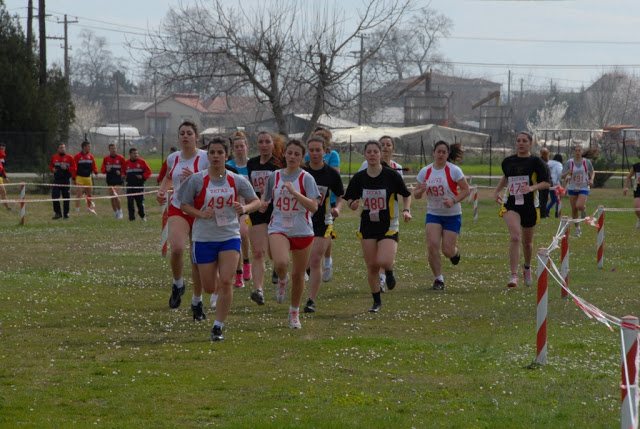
[585,42]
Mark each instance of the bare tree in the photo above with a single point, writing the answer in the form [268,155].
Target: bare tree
[275,50]
[410,49]
[93,67]
[612,100]
[88,114]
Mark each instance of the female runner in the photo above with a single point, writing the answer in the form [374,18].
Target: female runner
[634,174]
[240,149]
[212,198]
[582,173]
[378,187]
[524,175]
[440,181]
[294,195]
[181,165]
[329,184]
[259,169]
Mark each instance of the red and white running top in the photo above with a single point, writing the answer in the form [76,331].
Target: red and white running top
[441,184]
[176,165]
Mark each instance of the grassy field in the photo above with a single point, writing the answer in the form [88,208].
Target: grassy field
[87,337]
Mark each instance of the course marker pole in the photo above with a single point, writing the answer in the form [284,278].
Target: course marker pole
[541,317]
[564,255]
[471,194]
[600,236]
[165,226]
[629,385]
[475,204]
[22,205]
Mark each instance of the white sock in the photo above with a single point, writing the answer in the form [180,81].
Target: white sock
[214,297]
[440,277]
[383,277]
[179,282]
[327,262]
[293,309]
[218,323]
[283,282]
[196,299]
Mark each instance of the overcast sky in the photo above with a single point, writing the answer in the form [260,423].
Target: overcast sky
[571,42]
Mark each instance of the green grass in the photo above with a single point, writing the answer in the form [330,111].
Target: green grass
[87,336]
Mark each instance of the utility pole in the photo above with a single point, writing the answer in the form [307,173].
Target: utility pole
[30,25]
[509,90]
[43,44]
[66,47]
[118,109]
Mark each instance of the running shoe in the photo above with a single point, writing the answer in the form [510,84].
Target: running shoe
[238,283]
[281,290]
[375,307]
[216,333]
[327,271]
[213,302]
[274,277]
[310,307]
[294,320]
[455,259]
[513,281]
[246,271]
[383,283]
[391,279]
[120,215]
[578,232]
[198,312]
[176,296]
[115,214]
[56,216]
[144,219]
[306,276]
[257,296]
[528,278]
[437,285]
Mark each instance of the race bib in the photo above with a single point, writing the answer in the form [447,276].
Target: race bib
[578,178]
[259,180]
[374,200]
[285,202]
[219,198]
[435,193]
[516,186]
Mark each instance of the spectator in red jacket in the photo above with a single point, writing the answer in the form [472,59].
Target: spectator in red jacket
[112,168]
[3,179]
[85,165]
[137,171]
[63,167]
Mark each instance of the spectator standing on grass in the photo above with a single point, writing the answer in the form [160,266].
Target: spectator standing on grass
[63,167]
[85,165]
[555,166]
[378,187]
[634,176]
[329,184]
[112,169]
[163,168]
[332,159]
[524,175]
[180,166]
[137,171]
[580,172]
[294,196]
[387,145]
[217,198]
[544,193]
[259,169]
[240,149]
[440,182]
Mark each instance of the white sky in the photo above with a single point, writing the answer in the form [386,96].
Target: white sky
[571,42]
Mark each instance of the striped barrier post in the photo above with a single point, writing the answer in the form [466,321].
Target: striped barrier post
[541,317]
[630,363]
[475,204]
[564,257]
[600,236]
[470,181]
[165,226]
[22,205]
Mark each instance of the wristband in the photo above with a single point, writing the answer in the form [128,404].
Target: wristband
[406,210]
